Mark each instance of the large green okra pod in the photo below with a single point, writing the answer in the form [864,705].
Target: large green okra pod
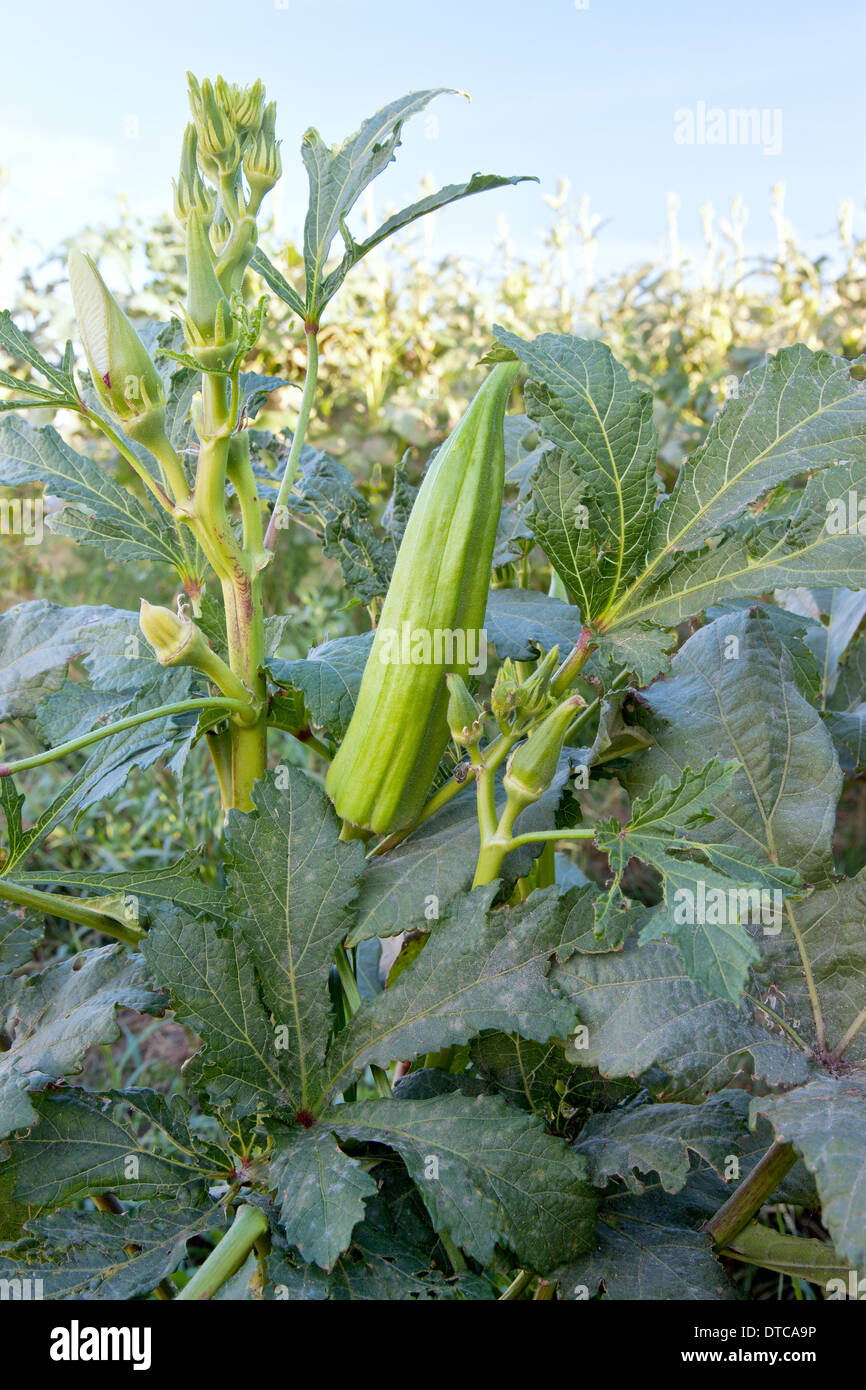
[430,623]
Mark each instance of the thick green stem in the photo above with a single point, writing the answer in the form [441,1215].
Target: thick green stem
[60,750]
[751,1195]
[225,1259]
[243,481]
[70,910]
[279,514]
[486,780]
[489,863]
[496,840]
[239,575]
[246,640]
[209,498]
[519,1284]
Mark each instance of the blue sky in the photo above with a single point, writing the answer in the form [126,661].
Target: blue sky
[94,105]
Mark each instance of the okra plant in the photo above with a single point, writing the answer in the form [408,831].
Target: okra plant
[522,968]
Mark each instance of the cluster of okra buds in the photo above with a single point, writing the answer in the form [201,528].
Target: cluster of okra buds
[529,706]
[230,160]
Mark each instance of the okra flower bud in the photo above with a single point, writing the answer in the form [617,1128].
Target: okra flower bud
[533,693]
[219,147]
[262,163]
[177,641]
[241,105]
[465,719]
[124,376]
[503,697]
[211,329]
[532,766]
[190,191]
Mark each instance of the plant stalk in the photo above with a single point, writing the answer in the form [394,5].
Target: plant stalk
[519,1284]
[60,750]
[70,909]
[275,525]
[226,1258]
[751,1195]
[239,573]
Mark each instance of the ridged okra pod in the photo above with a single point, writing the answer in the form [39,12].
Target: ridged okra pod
[430,623]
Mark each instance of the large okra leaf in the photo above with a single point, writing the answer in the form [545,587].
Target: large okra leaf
[214,989]
[103,513]
[667,1140]
[809,549]
[639,1009]
[479,970]
[593,495]
[37,642]
[732,694]
[292,885]
[320,1191]
[395,1254]
[826,1122]
[631,564]
[338,175]
[98,1255]
[256,988]
[487,1173]
[649,1248]
[802,410]
[80,1146]
[53,1017]
[662,832]
[813,974]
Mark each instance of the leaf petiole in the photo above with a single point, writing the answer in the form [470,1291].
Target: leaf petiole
[61,750]
[310,379]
